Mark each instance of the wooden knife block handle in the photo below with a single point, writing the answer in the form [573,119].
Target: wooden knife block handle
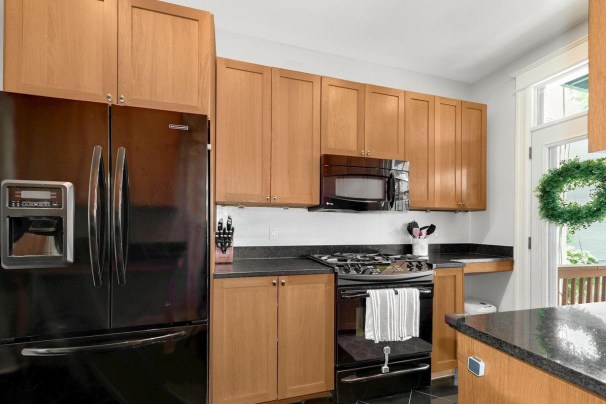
[226,258]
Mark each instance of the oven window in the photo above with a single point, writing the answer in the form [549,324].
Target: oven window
[360,188]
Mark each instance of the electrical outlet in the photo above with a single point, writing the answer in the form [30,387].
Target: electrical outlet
[273,233]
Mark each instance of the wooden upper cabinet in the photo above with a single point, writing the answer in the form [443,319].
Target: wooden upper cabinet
[243,146]
[342,117]
[597,76]
[419,149]
[305,335]
[295,138]
[244,359]
[164,56]
[447,153]
[473,156]
[448,298]
[63,49]
[384,123]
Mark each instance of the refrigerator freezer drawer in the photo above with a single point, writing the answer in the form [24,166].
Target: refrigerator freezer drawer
[161,365]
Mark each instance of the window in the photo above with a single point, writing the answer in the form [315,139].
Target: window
[563,96]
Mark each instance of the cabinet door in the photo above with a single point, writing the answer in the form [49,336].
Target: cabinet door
[596,118]
[448,298]
[473,156]
[447,154]
[384,123]
[306,335]
[342,117]
[295,138]
[419,148]
[243,132]
[164,56]
[63,49]
[244,330]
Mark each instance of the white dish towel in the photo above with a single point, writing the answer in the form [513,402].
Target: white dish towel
[392,314]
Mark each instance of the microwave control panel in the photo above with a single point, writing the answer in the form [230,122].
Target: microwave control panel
[25,197]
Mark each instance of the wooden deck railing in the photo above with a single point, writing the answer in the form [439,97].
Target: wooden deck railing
[581,284]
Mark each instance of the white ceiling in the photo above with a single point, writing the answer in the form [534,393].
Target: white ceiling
[462,40]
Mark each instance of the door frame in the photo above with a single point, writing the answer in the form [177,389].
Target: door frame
[543,260]
[556,63]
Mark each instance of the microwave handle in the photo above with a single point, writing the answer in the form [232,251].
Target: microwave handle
[391,190]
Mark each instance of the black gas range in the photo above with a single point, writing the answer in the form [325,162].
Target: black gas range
[377,267]
[360,371]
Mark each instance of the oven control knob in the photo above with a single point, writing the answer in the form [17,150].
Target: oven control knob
[420,266]
[410,266]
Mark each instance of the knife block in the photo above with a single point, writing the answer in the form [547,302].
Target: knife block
[226,258]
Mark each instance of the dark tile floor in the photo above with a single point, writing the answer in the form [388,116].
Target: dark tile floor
[441,391]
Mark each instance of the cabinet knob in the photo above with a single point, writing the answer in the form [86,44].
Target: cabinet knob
[368,153]
[109,98]
[267,197]
[274,282]
[283,282]
[275,197]
[363,153]
[122,99]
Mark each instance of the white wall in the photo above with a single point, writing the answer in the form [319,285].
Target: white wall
[300,227]
[260,51]
[496,224]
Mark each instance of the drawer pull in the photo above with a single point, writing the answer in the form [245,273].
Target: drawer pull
[359,379]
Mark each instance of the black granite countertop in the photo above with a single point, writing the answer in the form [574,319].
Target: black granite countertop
[568,342]
[270,267]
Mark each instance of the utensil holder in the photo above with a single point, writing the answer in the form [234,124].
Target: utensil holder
[226,258]
[420,247]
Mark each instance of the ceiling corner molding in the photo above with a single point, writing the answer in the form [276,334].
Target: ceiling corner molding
[568,57]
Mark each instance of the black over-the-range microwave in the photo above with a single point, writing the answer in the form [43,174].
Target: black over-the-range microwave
[362,184]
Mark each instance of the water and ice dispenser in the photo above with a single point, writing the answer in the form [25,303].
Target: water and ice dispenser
[37,228]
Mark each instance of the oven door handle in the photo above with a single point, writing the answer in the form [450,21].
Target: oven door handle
[355,296]
[364,294]
[360,379]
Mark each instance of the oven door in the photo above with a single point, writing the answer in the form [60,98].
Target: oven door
[353,349]
[364,188]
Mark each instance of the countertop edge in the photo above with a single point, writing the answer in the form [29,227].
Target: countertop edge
[557,369]
[273,273]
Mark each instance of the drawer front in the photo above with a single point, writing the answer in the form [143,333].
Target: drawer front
[368,382]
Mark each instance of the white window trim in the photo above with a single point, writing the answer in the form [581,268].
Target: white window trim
[567,58]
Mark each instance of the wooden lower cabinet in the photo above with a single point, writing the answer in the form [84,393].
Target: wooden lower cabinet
[272,338]
[509,380]
[448,298]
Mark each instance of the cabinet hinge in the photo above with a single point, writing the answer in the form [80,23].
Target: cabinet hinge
[530,153]
[529,243]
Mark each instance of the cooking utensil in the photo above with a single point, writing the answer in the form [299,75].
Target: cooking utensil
[430,229]
[409,228]
[415,232]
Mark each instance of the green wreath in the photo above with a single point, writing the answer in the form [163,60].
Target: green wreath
[572,174]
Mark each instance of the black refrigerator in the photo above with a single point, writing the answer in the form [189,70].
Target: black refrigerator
[104,277]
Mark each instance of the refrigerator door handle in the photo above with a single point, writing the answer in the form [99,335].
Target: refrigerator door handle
[97,215]
[111,346]
[121,206]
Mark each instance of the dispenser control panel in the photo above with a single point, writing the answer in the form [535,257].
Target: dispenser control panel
[37,224]
[29,197]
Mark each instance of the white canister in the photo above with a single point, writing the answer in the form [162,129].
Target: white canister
[420,247]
